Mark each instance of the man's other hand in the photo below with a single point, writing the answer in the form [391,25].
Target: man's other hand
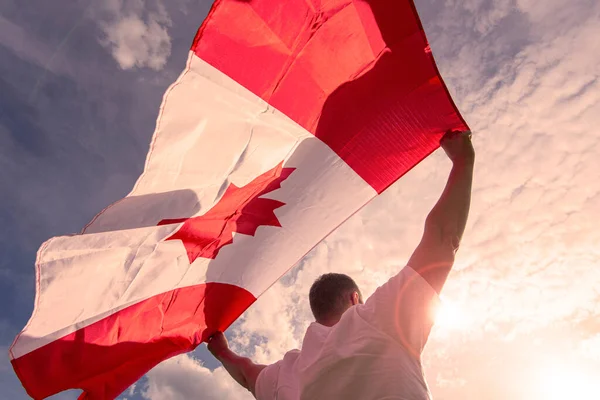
[217,344]
[458,146]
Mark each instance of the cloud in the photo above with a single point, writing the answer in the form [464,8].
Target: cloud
[184,377]
[532,226]
[136,33]
[26,46]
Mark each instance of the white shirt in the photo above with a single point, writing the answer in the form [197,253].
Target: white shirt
[373,352]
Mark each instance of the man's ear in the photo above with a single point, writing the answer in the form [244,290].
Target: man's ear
[355,298]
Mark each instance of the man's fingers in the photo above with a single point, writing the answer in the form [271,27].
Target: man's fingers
[450,135]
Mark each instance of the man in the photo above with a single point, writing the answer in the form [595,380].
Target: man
[371,350]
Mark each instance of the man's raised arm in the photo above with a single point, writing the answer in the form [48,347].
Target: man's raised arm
[242,369]
[445,224]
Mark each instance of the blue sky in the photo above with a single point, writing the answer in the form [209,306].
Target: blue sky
[80,87]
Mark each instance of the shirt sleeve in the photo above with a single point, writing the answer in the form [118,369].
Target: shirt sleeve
[266,382]
[404,308]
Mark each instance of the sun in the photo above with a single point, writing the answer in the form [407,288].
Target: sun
[450,316]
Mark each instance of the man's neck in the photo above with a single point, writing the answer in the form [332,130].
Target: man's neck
[329,322]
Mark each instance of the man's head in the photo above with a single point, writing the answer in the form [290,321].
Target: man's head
[332,294]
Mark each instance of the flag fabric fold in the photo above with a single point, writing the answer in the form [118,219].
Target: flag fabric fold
[287,119]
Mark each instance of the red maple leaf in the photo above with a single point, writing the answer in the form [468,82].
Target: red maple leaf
[240,209]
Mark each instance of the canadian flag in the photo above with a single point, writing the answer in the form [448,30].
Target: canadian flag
[288,118]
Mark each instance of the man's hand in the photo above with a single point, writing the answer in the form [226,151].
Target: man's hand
[217,344]
[242,369]
[458,146]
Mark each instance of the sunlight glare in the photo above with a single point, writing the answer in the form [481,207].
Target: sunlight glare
[449,316]
[560,381]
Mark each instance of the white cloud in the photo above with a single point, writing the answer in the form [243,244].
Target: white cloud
[27,46]
[184,377]
[136,32]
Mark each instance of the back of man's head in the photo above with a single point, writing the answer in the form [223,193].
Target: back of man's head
[330,295]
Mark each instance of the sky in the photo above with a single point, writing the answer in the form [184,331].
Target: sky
[80,86]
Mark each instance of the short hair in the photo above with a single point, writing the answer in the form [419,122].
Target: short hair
[328,295]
